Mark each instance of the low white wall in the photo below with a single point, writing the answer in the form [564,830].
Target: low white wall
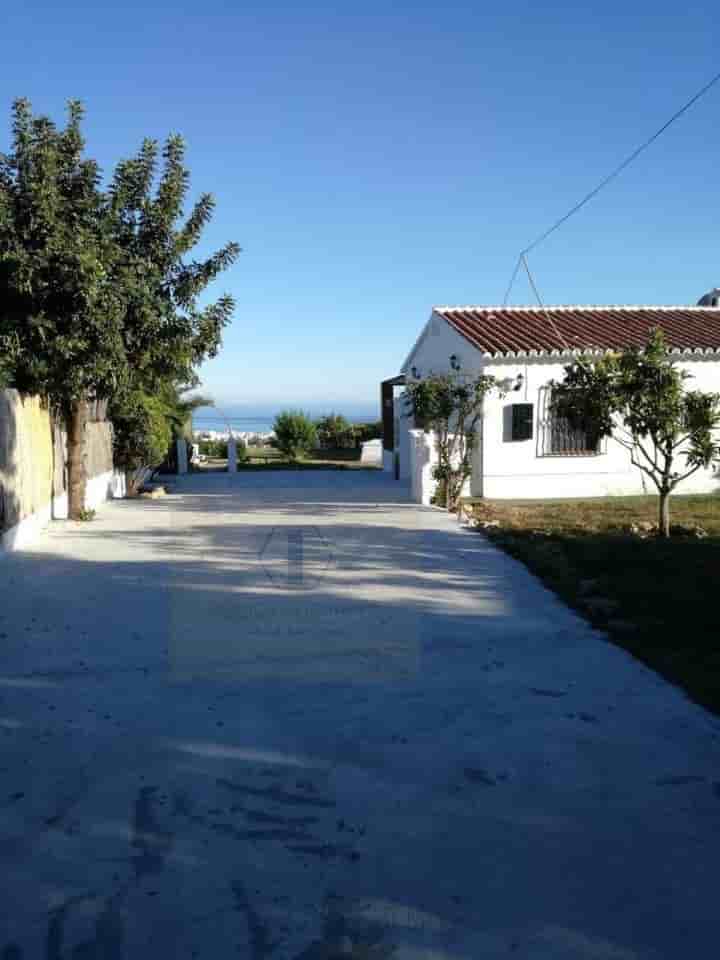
[106,486]
[405,425]
[371,451]
[422,457]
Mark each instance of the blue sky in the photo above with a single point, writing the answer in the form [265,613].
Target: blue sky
[373,160]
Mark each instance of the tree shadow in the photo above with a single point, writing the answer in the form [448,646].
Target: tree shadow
[261,727]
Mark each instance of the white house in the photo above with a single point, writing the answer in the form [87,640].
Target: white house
[521,451]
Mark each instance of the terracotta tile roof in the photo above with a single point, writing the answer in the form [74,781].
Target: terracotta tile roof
[529,331]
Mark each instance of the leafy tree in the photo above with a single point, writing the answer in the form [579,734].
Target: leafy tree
[295,433]
[450,405]
[638,398]
[141,437]
[166,332]
[62,314]
[180,407]
[145,427]
[98,299]
[334,430]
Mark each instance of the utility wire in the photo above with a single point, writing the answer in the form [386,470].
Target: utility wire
[542,306]
[603,183]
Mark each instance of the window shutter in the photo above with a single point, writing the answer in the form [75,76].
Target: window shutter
[522,421]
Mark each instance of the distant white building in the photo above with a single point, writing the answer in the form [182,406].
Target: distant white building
[522,451]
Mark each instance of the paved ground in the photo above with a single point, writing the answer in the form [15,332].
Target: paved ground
[290,715]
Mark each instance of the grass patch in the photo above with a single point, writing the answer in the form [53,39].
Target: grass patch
[659,599]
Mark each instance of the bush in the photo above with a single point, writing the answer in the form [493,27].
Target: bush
[142,434]
[217,449]
[368,431]
[295,433]
[335,431]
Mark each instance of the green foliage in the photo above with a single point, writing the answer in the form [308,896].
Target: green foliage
[62,318]
[142,434]
[368,431]
[180,407]
[217,449]
[334,430]
[295,433]
[166,332]
[639,398]
[99,297]
[86,515]
[450,406]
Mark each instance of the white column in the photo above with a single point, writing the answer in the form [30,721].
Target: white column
[232,455]
[182,459]
[422,457]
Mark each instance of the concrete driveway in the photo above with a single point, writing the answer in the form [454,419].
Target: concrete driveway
[291,715]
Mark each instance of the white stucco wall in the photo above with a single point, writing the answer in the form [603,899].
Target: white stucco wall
[105,486]
[519,469]
[423,457]
[371,451]
[503,468]
[404,425]
[436,345]
[431,354]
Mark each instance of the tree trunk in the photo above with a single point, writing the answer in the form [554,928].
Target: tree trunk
[75,424]
[134,480]
[664,514]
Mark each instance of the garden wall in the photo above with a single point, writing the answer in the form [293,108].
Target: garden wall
[33,488]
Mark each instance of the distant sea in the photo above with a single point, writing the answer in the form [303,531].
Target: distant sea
[212,418]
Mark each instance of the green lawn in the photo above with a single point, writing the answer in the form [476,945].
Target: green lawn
[659,599]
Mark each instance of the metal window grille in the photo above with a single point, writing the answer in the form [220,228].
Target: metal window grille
[560,439]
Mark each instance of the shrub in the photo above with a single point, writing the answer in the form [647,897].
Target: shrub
[335,431]
[142,435]
[295,433]
[218,449]
[368,431]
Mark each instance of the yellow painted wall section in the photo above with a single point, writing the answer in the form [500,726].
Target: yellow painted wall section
[33,453]
[26,457]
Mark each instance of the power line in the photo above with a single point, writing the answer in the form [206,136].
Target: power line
[603,183]
[561,338]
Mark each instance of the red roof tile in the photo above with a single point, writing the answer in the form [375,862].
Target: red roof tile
[503,331]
